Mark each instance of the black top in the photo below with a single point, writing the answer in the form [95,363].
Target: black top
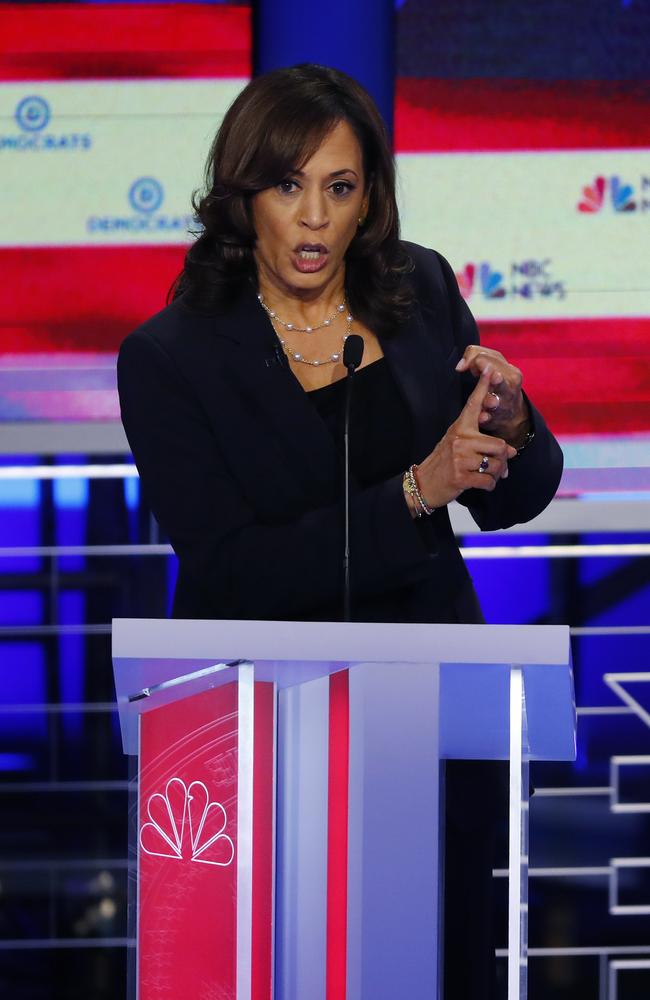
[381,428]
[381,447]
[243,474]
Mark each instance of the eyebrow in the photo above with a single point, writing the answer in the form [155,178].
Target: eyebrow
[334,173]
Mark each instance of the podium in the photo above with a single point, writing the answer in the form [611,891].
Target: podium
[286,841]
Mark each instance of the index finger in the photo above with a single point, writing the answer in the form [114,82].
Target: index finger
[475,358]
[472,408]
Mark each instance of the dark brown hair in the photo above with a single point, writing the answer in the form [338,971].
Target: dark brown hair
[272,128]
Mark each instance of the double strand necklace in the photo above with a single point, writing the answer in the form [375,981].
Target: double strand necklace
[296,355]
[299,329]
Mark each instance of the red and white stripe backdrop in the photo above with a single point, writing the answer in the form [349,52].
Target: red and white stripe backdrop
[107,113]
[540,200]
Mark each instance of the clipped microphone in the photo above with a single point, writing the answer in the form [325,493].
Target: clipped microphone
[278,359]
[280,356]
[352,355]
[353,352]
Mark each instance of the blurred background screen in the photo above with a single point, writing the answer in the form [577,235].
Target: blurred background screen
[522,137]
[522,134]
[107,112]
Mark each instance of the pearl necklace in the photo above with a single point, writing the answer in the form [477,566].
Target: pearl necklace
[333,358]
[299,329]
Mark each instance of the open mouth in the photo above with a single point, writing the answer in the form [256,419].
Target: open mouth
[311,251]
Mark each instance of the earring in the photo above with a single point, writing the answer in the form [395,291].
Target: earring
[361,220]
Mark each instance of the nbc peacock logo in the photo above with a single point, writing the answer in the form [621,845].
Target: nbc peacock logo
[185,825]
[607,190]
[490,281]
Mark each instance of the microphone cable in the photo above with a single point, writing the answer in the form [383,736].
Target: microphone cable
[352,355]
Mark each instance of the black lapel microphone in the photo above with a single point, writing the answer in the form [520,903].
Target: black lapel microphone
[278,359]
[352,355]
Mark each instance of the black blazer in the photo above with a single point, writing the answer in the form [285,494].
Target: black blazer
[243,475]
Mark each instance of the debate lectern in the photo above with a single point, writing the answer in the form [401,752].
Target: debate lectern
[287,832]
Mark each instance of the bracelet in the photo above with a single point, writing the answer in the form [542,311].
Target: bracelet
[425,506]
[530,433]
[409,489]
[530,436]
[410,486]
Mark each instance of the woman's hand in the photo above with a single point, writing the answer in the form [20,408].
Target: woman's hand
[453,465]
[504,412]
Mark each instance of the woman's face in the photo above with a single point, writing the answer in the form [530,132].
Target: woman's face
[305,224]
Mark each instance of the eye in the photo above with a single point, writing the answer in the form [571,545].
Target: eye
[287,186]
[341,188]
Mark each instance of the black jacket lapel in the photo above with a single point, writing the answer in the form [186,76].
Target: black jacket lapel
[264,372]
[415,361]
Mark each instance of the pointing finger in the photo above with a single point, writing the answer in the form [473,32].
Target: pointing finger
[467,362]
[472,408]
[476,357]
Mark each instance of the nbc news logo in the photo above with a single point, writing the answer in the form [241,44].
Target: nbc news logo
[614,194]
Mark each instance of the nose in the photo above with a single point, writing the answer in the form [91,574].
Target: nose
[314,213]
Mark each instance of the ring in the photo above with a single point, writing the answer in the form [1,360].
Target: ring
[497,397]
[485,461]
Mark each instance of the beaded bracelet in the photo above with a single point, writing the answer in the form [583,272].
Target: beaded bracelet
[407,486]
[410,485]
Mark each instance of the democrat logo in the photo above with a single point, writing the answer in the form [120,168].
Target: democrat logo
[608,192]
[146,194]
[33,115]
[531,278]
[145,198]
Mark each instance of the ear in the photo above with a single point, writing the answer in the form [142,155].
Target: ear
[365,204]
[363,210]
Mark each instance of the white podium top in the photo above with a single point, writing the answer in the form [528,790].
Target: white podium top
[338,641]
[475,665]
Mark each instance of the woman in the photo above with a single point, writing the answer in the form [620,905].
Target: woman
[231,400]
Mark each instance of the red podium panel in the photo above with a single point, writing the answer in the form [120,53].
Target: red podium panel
[189,831]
